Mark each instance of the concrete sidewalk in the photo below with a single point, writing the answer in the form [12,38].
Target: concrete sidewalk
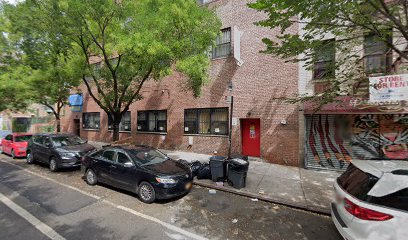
[292,186]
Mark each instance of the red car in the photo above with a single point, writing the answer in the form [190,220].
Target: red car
[15,144]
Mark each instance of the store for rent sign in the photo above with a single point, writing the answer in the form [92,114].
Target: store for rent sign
[389,88]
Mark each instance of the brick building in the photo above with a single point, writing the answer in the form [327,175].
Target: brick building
[169,117]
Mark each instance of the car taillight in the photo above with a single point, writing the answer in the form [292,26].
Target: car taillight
[365,213]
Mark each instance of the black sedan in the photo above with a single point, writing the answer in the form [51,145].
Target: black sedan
[140,169]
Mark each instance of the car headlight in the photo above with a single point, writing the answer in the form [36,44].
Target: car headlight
[67,154]
[166,180]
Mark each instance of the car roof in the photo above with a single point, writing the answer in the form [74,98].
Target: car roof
[21,134]
[379,167]
[53,134]
[129,147]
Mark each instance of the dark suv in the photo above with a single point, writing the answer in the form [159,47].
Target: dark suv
[57,150]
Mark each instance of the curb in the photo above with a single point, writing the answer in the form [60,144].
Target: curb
[311,209]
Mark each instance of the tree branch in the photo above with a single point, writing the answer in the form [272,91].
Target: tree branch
[147,76]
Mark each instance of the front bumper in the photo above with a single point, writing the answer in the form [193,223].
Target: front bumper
[69,162]
[20,153]
[166,191]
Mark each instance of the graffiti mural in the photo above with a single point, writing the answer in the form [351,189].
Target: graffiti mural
[332,141]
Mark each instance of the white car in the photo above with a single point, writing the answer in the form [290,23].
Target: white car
[372,201]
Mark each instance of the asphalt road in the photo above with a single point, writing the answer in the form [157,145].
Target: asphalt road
[37,204]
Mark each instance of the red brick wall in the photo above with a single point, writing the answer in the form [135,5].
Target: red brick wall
[256,85]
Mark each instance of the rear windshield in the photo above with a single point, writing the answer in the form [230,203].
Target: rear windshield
[23,138]
[358,183]
[62,141]
[148,156]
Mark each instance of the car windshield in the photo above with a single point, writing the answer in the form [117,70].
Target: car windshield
[62,141]
[148,156]
[22,138]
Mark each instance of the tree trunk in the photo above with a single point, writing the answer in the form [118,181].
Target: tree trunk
[115,126]
[58,120]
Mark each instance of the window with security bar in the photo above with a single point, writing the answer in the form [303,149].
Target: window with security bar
[222,46]
[211,121]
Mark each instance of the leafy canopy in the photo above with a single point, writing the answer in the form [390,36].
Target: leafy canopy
[125,43]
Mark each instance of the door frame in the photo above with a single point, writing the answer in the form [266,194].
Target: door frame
[241,120]
[77,127]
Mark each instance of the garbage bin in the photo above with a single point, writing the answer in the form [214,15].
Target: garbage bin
[218,168]
[239,156]
[237,172]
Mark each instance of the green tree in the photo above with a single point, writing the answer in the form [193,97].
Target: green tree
[135,42]
[12,91]
[346,21]
[44,68]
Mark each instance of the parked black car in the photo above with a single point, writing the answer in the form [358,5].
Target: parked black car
[57,150]
[140,169]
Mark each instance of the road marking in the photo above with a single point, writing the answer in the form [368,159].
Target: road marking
[42,227]
[123,208]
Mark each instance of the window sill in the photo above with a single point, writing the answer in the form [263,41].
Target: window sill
[154,133]
[220,58]
[90,129]
[206,135]
[322,80]
[128,131]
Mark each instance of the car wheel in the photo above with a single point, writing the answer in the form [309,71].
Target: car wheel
[12,154]
[90,177]
[30,158]
[53,165]
[146,192]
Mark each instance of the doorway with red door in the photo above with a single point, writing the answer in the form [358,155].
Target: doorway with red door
[251,137]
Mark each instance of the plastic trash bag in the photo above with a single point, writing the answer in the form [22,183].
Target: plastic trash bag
[195,166]
[204,172]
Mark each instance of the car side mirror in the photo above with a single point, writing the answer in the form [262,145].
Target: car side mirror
[48,145]
[128,164]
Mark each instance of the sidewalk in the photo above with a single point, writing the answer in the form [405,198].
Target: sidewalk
[292,186]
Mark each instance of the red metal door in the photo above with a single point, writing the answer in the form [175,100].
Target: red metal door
[251,137]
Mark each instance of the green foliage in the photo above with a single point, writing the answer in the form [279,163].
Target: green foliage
[138,41]
[38,63]
[113,46]
[346,21]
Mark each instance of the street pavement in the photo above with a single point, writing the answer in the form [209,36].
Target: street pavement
[38,204]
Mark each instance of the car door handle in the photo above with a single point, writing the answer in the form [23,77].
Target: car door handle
[113,166]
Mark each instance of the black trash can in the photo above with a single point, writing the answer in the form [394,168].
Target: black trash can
[218,168]
[237,172]
[239,156]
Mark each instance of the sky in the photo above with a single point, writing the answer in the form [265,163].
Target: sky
[13,1]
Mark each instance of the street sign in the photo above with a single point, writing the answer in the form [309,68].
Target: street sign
[234,121]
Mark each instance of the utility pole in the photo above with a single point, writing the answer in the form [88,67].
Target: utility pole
[230,99]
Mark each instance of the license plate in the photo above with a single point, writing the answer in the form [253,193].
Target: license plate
[188,186]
